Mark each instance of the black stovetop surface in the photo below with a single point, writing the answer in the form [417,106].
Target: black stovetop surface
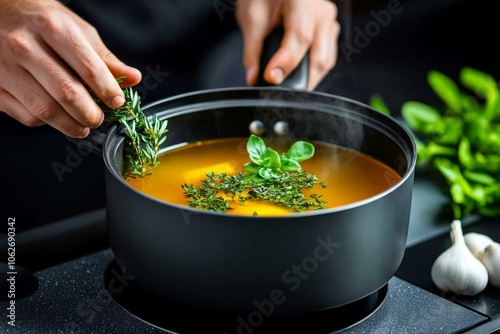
[73,298]
[72,295]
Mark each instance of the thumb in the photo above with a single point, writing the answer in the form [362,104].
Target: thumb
[119,69]
[286,59]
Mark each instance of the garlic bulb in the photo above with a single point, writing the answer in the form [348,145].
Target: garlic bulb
[491,260]
[457,269]
[477,242]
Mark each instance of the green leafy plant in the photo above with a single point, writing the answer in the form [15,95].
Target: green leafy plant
[461,139]
[269,176]
[144,137]
[377,102]
[266,163]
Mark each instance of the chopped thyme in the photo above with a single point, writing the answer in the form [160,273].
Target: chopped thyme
[277,179]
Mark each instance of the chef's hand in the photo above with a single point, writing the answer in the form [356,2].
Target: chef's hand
[309,25]
[47,52]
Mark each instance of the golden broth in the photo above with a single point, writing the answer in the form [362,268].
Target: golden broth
[349,175]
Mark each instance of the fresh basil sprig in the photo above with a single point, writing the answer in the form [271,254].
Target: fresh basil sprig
[267,163]
[460,138]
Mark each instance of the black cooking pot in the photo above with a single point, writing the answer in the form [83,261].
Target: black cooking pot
[294,264]
[303,262]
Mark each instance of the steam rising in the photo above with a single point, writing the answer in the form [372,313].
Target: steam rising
[310,118]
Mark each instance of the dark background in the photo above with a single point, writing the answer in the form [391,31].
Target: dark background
[426,35]
[198,47]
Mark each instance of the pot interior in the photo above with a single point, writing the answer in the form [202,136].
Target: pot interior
[308,116]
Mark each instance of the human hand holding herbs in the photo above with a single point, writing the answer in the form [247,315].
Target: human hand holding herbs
[144,137]
[269,176]
[461,139]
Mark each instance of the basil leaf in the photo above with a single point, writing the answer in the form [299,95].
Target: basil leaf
[479,177]
[272,158]
[248,177]
[289,164]
[378,103]
[494,191]
[436,149]
[492,105]
[479,82]
[422,117]
[452,133]
[449,170]
[445,88]
[464,153]
[252,167]
[300,151]
[489,163]
[256,149]
[457,193]
[479,195]
[267,173]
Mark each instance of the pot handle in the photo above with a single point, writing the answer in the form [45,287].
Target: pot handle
[295,80]
[94,142]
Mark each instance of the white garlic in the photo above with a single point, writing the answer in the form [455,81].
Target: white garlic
[491,260]
[477,242]
[457,270]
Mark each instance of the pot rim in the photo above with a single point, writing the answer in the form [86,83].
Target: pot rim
[114,139]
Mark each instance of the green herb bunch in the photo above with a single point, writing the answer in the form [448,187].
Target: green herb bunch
[461,139]
[278,179]
[144,137]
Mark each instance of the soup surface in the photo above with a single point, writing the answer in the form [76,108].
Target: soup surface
[349,175]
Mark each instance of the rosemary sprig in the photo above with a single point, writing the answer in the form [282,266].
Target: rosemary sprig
[144,136]
[270,177]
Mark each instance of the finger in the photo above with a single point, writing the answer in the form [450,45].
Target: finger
[74,48]
[32,106]
[115,66]
[119,69]
[323,53]
[62,86]
[295,43]
[15,109]
[50,75]
[252,49]
[256,21]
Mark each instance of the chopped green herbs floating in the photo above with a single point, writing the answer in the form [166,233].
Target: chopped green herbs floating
[461,139]
[144,137]
[269,176]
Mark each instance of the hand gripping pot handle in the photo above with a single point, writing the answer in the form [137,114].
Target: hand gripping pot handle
[295,80]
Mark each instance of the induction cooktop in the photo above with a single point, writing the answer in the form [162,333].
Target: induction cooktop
[67,281]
